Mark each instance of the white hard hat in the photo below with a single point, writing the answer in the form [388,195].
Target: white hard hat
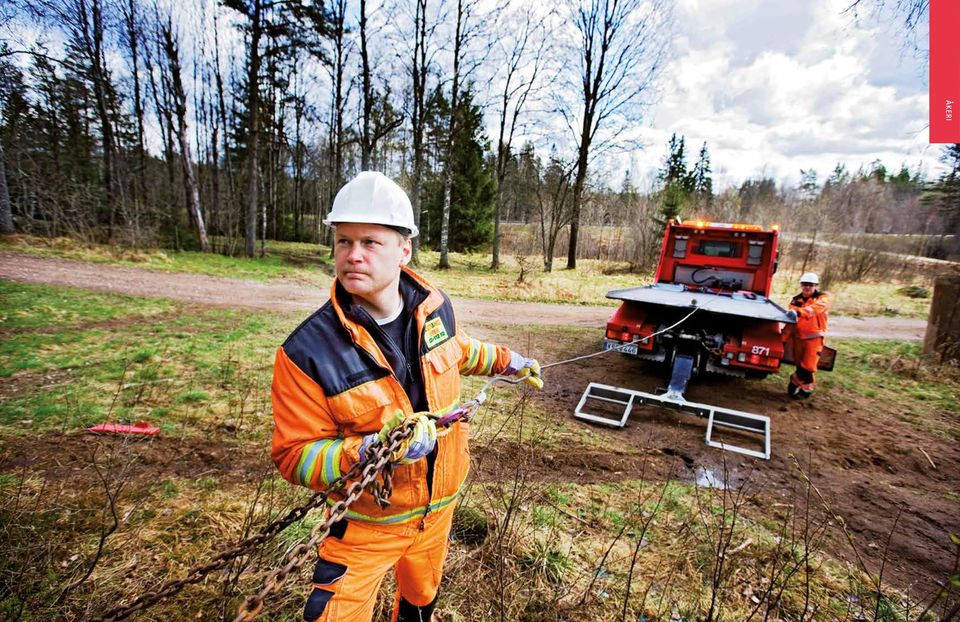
[374,198]
[810,277]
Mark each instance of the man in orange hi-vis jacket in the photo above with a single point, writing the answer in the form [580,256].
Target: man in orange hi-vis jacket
[811,306]
[386,348]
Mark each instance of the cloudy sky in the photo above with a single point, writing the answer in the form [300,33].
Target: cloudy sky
[775,86]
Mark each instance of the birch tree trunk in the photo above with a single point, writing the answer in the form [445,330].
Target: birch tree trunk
[418,118]
[253,136]
[180,104]
[451,142]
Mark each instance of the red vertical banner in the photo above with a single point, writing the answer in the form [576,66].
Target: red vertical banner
[945,71]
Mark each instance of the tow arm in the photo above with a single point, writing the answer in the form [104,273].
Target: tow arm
[738,421]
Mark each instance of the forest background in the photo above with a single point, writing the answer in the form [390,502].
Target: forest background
[218,126]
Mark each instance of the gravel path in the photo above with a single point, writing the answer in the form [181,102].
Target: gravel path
[288,296]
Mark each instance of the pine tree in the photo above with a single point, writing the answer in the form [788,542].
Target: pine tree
[702,182]
[679,184]
[473,190]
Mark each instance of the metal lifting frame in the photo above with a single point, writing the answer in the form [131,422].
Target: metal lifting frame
[673,399]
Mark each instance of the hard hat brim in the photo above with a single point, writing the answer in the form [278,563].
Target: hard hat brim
[372,221]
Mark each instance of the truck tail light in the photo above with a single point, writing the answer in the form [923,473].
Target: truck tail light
[619,333]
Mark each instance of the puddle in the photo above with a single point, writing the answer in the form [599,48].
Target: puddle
[706,478]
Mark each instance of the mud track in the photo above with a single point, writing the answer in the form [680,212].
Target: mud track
[866,463]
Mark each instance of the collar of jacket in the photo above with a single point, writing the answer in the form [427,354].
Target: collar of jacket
[414,289]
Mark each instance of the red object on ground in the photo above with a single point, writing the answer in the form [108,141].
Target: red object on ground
[140,427]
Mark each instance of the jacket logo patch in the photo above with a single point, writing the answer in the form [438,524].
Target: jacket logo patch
[434,332]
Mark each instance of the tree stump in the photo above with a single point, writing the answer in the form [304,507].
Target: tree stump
[941,343]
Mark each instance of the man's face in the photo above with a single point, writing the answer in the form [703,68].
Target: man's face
[368,258]
[807,288]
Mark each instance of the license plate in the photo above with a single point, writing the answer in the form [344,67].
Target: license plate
[626,348]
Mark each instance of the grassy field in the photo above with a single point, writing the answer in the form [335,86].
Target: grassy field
[525,549]
[307,263]
[470,275]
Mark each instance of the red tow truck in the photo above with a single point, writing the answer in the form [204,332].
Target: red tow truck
[707,311]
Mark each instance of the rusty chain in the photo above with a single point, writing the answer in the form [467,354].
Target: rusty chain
[367,469]
[296,557]
[376,463]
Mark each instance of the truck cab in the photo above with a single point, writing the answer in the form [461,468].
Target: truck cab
[718,256]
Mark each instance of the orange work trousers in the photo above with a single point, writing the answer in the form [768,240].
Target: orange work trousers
[806,355]
[347,577]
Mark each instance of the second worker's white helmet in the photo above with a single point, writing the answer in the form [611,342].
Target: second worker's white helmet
[373,198]
[810,277]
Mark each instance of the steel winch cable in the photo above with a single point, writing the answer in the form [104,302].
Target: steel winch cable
[623,346]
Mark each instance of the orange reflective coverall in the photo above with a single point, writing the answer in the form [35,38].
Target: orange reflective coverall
[807,338]
[332,384]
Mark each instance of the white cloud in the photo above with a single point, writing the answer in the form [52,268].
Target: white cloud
[778,86]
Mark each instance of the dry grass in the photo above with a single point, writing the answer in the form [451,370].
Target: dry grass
[567,549]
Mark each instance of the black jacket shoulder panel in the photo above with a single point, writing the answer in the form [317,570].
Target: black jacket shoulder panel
[322,348]
[798,299]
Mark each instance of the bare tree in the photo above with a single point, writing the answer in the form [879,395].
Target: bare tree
[553,201]
[365,136]
[131,25]
[913,13]
[340,53]
[254,13]
[191,190]
[464,11]
[419,69]
[91,31]
[468,26]
[524,51]
[376,124]
[6,214]
[221,127]
[84,23]
[621,46]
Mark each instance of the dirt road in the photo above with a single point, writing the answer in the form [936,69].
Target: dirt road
[872,467]
[225,292]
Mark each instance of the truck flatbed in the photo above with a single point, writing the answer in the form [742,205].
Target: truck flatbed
[747,305]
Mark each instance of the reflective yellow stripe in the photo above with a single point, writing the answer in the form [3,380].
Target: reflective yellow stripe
[490,355]
[331,461]
[306,463]
[404,517]
[472,358]
[325,454]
